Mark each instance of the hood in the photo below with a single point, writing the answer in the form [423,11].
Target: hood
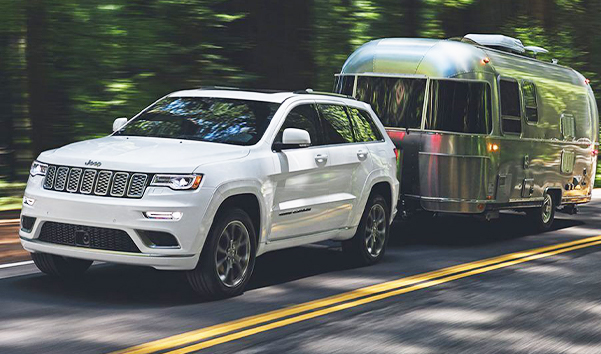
[142,154]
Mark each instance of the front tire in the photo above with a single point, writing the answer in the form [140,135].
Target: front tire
[58,266]
[369,243]
[542,218]
[228,257]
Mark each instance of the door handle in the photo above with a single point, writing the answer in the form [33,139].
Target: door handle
[321,158]
[362,154]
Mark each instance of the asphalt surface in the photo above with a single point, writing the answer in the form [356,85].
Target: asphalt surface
[547,305]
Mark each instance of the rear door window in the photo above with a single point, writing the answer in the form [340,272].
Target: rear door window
[336,124]
[364,127]
[459,106]
[511,106]
[398,102]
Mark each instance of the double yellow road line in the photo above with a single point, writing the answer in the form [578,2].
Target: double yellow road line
[210,336]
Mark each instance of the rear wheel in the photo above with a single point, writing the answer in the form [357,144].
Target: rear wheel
[542,218]
[369,243]
[60,266]
[228,257]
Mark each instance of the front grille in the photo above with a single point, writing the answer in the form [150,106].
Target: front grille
[61,178]
[87,236]
[87,183]
[98,182]
[119,184]
[137,184]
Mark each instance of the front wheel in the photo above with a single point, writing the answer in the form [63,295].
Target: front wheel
[60,266]
[369,243]
[227,259]
[542,218]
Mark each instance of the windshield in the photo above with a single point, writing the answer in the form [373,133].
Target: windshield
[220,120]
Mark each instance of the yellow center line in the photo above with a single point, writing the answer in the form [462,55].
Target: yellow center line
[220,329]
[344,306]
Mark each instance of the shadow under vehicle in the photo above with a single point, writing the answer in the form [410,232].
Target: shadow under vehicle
[482,124]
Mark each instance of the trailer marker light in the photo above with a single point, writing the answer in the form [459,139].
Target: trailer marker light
[587,81]
[493,147]
[595,152]
[486,60]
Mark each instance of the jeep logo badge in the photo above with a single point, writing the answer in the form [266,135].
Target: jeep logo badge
[93,163]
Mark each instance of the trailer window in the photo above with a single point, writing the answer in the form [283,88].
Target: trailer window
[398,102]
[344,84]
[459,106]
[511,110]
[529,92]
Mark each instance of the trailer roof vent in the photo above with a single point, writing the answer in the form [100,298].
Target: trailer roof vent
[498,41]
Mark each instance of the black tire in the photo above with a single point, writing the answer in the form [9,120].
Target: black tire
[542,217]
[358,249]
[58,266]
[205,279]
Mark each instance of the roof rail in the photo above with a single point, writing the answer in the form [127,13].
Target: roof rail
[229,88]
[311,92]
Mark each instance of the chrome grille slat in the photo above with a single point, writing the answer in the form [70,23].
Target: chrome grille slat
[61,178]
[87,182]
[49,179]
[137,184]
[119,184]
[97,182]
[103,183]
[74,178]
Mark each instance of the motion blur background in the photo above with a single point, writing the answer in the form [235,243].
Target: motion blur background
[68,68]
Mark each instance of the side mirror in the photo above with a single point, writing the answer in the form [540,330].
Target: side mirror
[119,123]
[293,138]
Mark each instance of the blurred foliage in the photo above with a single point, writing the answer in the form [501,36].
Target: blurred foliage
[68,68]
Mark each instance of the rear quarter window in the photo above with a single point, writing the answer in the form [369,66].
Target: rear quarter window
[364,127]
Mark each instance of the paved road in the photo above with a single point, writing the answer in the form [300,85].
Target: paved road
[10,247]
[545,301]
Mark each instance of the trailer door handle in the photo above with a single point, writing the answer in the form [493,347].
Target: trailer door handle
[321,158]
[362,154]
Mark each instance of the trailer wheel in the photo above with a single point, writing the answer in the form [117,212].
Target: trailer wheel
[542,218]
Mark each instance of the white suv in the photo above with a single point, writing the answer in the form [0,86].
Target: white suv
[205,180]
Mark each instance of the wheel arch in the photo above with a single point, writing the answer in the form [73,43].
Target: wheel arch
[556,194]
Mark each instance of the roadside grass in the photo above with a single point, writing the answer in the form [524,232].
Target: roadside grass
[11,195]
[10,203]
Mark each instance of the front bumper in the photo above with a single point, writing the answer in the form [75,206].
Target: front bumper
[127,215]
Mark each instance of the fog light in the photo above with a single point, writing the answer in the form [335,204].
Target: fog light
[28,201]
[164,215]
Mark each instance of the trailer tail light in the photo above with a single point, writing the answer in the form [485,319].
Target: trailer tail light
[595,152]
[493,147]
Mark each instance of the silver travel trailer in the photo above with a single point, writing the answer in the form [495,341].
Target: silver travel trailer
[482,126]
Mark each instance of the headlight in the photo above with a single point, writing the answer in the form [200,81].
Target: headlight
[38,169]
[179,182]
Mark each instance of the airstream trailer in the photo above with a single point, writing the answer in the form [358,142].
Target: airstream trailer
[481,125]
